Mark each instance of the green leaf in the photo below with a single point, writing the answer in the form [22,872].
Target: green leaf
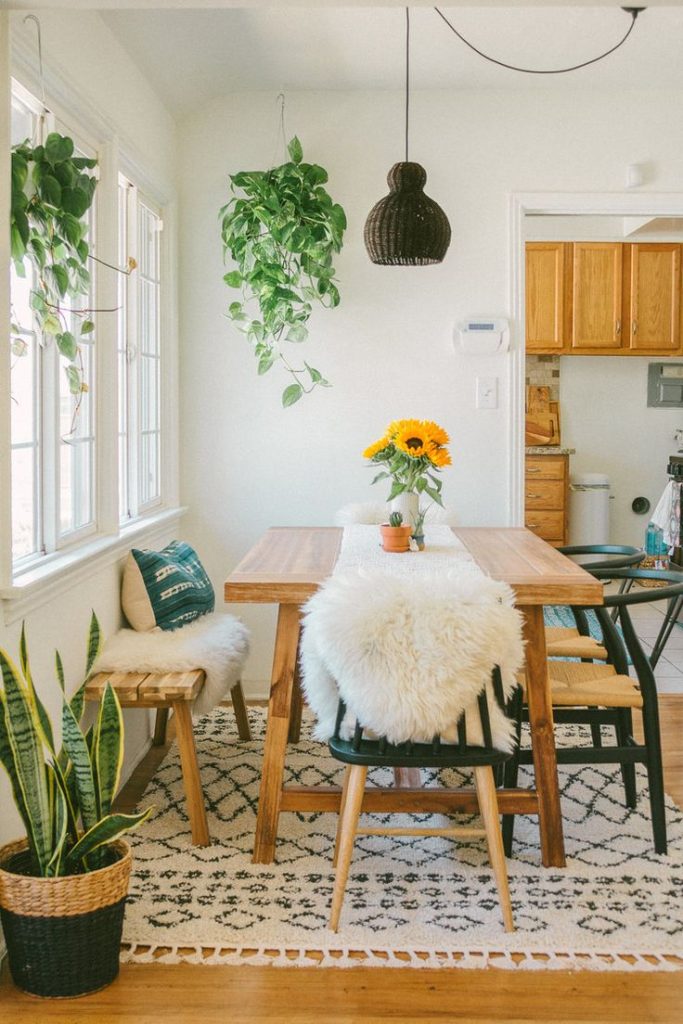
[108,748]
[295,151]
[315,375]
[396,489]
[379,476]
[60,819]
[59,668]
[23,731]
[233,279]
[76,747]
[94,643]
[51,190]
[73,376]
[291,395]
[87,327]
[8,762]
[266,360]
[67,344]
[60,276]
[58,148]
[297,333]
[105,831]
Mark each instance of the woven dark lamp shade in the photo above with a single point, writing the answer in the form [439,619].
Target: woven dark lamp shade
[406,227]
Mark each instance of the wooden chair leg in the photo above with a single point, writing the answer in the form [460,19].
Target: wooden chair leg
[191,779]
[347,826]
[240,709]
[488,805]
[160,723]
[345,790]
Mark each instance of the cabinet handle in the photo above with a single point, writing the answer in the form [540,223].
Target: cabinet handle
[534,469]
[634,326]
[533,526]
[617,327]
[534,495]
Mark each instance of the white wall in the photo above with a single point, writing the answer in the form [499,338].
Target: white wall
[88,60]
[249,464]
[606,418]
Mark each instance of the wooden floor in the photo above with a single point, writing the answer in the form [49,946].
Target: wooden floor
[185,994]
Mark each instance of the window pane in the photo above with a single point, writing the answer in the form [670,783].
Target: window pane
[124,383]
[24,502]
[23,391]
[149,468]
[149,365]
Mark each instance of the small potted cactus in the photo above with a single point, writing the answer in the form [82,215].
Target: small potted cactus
[395,536]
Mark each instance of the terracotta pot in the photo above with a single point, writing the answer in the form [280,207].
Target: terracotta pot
[395,538]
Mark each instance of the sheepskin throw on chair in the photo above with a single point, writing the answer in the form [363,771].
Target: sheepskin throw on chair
[409,654]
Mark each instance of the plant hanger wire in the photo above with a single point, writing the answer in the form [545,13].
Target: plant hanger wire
[633,11]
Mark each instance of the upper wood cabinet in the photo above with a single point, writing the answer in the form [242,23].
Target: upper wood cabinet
[603,298]
[596,295]
[653,320]
[547,306]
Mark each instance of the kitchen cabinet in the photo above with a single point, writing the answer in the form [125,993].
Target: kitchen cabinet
[653,315]
[596,296]
[546,485]
[547,295]
[604,298]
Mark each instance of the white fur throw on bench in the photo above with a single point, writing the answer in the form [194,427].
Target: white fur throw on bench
[218,644]
[410,654]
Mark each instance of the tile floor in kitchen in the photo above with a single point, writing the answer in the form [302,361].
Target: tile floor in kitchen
[647,619]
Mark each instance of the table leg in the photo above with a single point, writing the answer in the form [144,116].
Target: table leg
[297,708]
[543,738]
[277,731]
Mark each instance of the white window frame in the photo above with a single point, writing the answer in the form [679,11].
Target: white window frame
[132,396]
[27,586]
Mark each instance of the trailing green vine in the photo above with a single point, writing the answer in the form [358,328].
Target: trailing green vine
[51,194]
[282,229]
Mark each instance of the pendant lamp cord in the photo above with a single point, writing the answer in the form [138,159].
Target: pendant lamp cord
[407,75]
[633,11]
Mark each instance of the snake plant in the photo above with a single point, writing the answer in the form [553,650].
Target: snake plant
[64,795]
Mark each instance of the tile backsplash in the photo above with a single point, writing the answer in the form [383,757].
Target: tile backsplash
[544,372]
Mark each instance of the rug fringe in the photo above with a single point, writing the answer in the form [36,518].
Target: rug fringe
[430,959]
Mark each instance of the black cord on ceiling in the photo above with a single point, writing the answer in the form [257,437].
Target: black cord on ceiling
[633,11]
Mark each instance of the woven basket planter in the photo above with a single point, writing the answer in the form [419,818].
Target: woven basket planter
[63,934]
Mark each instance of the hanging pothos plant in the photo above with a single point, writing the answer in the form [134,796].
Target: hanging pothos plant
[282,229]
[51,194]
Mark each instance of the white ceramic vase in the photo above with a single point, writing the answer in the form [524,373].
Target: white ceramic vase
[407,504]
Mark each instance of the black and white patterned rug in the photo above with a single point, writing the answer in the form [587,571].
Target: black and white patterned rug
[425,901]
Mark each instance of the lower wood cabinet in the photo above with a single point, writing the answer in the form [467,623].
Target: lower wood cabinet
[546,497]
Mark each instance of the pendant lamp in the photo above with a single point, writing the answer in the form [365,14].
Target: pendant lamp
[406,227]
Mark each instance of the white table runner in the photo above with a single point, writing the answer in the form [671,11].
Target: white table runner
[361,548]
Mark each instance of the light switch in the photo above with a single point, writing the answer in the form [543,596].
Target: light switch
[487,392]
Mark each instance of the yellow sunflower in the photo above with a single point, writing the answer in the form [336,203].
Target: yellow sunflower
[376,447]
[436,433]
[439,457]
[413,439]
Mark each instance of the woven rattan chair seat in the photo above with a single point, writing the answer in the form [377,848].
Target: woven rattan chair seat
[576,684]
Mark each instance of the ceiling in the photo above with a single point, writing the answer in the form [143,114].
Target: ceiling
[192,56]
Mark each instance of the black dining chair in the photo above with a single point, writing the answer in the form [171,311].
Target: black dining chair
[361,752]
[598,694]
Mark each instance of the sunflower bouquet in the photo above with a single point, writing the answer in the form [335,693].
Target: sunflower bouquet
[411,452]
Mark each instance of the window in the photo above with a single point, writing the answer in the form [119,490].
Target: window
[139,354]
[70,481]
[53,438]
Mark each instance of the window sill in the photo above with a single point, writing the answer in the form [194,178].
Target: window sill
[40,584]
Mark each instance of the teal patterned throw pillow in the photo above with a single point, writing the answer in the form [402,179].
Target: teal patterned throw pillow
[166,588]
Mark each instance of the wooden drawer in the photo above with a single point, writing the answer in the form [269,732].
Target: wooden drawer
[539,493]
[545,467]
[547,525]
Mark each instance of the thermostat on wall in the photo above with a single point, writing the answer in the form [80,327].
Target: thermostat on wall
[483,335]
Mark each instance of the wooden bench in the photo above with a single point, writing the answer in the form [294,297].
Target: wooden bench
[172,691]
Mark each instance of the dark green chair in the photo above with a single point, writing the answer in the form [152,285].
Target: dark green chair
[361,752]
[576,641]
[604,694]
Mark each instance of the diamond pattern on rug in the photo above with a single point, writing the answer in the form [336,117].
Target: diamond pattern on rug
[404,893]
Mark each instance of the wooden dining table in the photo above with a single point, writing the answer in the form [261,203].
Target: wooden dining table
[288,565]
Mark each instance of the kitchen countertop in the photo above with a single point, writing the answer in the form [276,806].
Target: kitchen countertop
[548,449]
